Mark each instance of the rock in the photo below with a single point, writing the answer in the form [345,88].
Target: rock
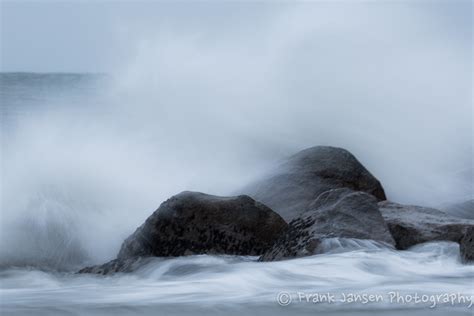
[340,213]
[197,223]
[466,246]
[461,210]
[303,177]
[411,225]
[117,265]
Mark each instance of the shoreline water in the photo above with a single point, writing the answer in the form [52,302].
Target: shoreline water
[216,284]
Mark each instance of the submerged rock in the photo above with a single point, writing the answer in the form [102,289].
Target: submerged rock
[339,213]
[411,225]
[303,177]
[117,265]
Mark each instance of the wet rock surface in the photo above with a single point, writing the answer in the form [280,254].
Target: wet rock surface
[340,213]
[411,225]
[297,182]
[196,223]
[117,265]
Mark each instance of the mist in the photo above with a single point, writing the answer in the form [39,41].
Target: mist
[210,103]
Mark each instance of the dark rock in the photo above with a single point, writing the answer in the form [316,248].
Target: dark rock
[466,245]
[303,177]
[197,223]
[411,225]
[340,213]
[117,265]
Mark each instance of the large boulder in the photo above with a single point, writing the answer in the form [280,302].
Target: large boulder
[197,223]
[338,213]
[411,225]
[299,180]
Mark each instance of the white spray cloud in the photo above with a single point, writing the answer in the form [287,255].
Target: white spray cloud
[208,105]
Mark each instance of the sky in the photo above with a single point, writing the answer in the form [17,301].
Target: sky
[99,36]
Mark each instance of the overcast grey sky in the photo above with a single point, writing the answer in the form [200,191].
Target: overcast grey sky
[99,36]
[96,36]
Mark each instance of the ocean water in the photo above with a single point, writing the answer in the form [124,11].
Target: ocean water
[219,285]
[85,161]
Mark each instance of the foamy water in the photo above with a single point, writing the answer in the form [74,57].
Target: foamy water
[217,284]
